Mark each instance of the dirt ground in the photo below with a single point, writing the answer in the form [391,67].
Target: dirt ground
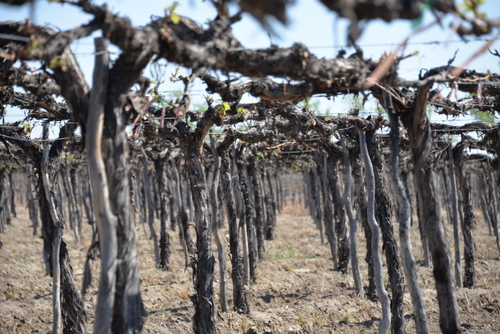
[296,292]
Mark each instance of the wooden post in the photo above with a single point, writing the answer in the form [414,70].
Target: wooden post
[454,217]
[105,220]
[215,227]
[57,236]
[352,220]
[377,260]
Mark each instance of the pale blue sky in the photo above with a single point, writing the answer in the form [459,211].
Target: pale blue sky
[310,23]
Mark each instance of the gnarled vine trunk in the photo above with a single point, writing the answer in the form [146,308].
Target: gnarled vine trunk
[384,215]
[240,303]
[469,220]
[420,141]
[403,217]
[161,172]
[385,323]
[204,322]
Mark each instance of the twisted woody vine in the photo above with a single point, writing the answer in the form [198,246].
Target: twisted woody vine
[388,196]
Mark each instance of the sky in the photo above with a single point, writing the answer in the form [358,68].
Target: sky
[312,24]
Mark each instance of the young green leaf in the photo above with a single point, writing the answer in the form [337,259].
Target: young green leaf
[175,18]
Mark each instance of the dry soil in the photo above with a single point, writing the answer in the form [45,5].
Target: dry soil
[296,291]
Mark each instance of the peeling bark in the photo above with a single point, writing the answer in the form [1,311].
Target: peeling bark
[164,235]
[352,220]
[340,221]
[384,216]
[216,224]
[361,196]
[204,321]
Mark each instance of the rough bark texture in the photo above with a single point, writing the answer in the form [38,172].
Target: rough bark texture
[164,236]
[72,308]
[248,205]
[454,217]
[340,221]
[33,209]
[494,195]
[403,217]
[216,225]
[240,209]
[484,204]
[240,303]
[371,293]
[180,215]
[56,237]
[352,222]
[469,220]
[421,224]
[254,172]
[383,212]
[270,199]
[420,142]
[128,310]
[328,212]
[317,201]
[151,209]
[204,321]
[296,74]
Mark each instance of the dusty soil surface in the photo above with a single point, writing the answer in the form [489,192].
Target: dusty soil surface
[296,292]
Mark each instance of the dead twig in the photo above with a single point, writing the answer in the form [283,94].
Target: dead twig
[459,70]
